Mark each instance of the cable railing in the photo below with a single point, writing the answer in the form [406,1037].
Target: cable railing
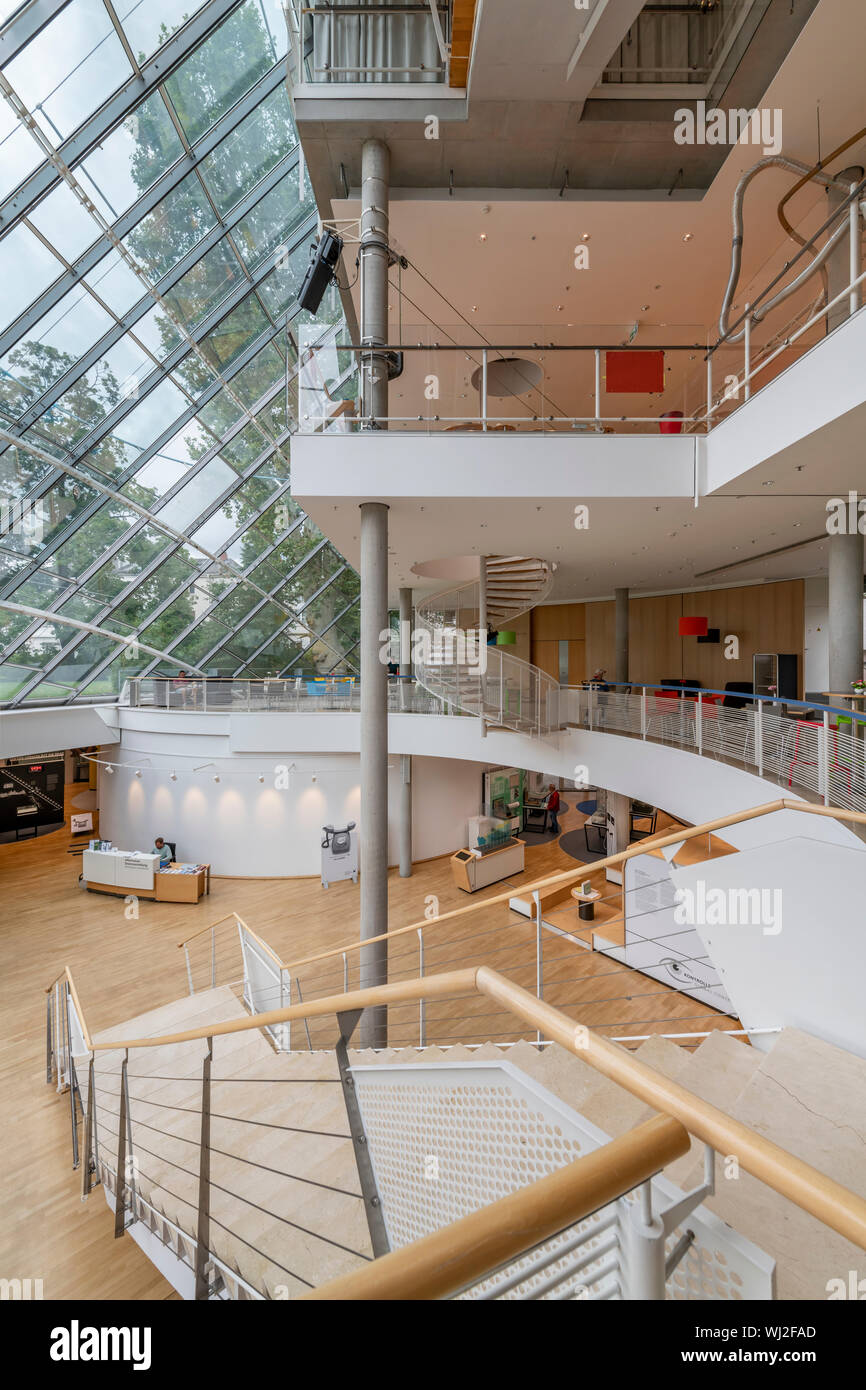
[617,998]
[311,694]
[189,1167]
[817,749]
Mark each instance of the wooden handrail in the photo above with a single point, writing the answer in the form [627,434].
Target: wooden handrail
[813,1191]
[572,875]
[66,974]
[460,1254]
[210,926]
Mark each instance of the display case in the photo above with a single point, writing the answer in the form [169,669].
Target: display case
[774,674]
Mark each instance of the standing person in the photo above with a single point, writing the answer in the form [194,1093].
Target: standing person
[553,807]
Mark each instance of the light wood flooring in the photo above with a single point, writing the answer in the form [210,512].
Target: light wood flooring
[124,966]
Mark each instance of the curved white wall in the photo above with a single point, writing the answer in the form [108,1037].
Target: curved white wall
[246,828]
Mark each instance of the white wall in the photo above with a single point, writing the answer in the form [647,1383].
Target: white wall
[31,731]
[816,662]
[245,828]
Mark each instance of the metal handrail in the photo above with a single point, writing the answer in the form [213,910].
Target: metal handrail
[822,1197]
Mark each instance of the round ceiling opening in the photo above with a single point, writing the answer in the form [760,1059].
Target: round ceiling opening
[509,376]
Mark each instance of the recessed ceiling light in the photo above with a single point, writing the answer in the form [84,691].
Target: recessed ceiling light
[475,308]
[688,236]
[586,236]
[483,236]
[643,308]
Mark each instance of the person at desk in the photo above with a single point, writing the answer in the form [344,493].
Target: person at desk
[162,849]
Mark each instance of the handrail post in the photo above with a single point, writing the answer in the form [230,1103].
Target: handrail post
[70,1069]
[759,736]
[747,353]
[854,250]
[285,977]
[422,1005]
[709,387]
[202,1261]
[643,712]
[89,1166]
[539,957]
[188,968]
[484,389]
[824,760]
[699,724]
[597,387]
[591,702]
[123,1160]
[345,973]
[213,957]
[49,1050]
[645,1238]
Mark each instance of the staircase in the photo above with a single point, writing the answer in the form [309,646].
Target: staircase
[459,668]
[288,1208]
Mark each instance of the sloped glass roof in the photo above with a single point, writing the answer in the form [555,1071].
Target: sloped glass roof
[154,230]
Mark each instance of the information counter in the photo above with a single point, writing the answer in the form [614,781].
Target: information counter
[472,870]
[125,872]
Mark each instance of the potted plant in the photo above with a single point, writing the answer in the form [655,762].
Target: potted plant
[858,687]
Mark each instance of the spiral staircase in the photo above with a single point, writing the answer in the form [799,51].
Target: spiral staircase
[487,681]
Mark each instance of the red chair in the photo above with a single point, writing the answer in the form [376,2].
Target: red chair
[808,762]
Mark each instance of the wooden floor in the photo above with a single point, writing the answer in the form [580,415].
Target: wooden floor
[125,964]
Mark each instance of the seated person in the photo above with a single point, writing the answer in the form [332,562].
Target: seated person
[162,849]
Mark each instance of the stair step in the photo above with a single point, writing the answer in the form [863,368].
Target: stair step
[810,1098]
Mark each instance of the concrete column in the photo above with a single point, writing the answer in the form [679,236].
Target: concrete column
[374,763]
[621,635]
[406,816]
[406,627]
[375,171]
[846,611]
[843,263]
[375,174]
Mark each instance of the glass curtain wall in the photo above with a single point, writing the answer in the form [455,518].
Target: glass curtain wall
[154,230]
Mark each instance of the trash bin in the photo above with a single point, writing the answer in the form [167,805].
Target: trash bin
[671,422]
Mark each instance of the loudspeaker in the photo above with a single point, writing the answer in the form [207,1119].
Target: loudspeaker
[320,273]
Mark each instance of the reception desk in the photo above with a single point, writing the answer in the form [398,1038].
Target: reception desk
[472,871]
[123,872]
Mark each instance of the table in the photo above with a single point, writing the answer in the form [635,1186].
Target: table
[587,902]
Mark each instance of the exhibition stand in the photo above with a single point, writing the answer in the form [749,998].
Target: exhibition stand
[473,868]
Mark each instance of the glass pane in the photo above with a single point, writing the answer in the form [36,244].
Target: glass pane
[131,158]
[70,68]
[115,284]
[19,152]
[271,221]
[198,493]
[245,156]
[219,73]
[35,269]
[236,331]
[164,236]
[209,281]
[147,24]
[65,223]
[51,348]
